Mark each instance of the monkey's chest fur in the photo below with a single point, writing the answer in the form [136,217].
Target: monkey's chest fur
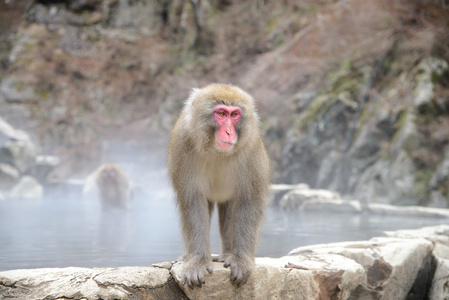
[218,180]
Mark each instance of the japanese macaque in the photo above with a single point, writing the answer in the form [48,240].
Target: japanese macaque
[111,185]
[216,156]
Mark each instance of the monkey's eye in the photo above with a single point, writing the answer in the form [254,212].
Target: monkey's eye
[234,114]
[221,113]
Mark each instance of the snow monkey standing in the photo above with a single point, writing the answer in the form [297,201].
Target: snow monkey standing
[216,156]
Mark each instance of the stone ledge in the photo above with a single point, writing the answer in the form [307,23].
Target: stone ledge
[85,283]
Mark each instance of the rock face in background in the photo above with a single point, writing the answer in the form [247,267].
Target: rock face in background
[353,95]
[409,264]
[17,156]
[386,158]
[439,182]
[16,147]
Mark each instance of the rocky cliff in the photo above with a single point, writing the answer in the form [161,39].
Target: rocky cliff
[353,95]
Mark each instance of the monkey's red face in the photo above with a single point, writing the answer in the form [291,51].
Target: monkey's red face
[108,175]
[226,117]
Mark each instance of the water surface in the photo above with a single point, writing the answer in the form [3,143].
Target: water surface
[72,231]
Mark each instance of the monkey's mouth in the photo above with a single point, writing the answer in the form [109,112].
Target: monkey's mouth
[225,145]
[224,142]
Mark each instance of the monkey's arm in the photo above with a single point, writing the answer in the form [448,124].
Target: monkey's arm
[248,212]
[247,222]
[195,227]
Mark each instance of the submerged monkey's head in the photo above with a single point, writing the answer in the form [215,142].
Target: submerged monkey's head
[108,174]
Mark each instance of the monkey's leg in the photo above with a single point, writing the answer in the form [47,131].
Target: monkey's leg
[195,222]
[225,222]
[248,214]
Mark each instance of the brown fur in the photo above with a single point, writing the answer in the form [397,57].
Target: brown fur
[203,174]
[113,186]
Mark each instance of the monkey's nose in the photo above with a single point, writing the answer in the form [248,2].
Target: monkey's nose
[227,132]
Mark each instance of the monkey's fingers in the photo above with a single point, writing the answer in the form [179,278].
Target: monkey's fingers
[183,280]
[193,277]
[190,282]
[240,270]
[239,275]
[210,269]
[200,279]
[235,274]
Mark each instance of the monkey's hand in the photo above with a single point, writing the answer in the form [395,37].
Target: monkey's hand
[240,269]
[194,270]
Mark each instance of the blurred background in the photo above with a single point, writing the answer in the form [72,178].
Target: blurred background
[353,97]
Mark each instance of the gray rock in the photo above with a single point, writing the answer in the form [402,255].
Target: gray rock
[43,165]
[437,200]
[83,283]
[8,176]
[379,160]
[380,177]
[132,14]
[439,289]
[297,197]
[80,5]
[439,236]
[418,211]
[435,234]
[27,188]
[312,199]
[391,266]
[279,190]
[16,147]
[427,70]
[440,180]
[15,91]
[334,205]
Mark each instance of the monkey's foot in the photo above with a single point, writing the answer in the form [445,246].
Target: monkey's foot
[194,270]
[240,269]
